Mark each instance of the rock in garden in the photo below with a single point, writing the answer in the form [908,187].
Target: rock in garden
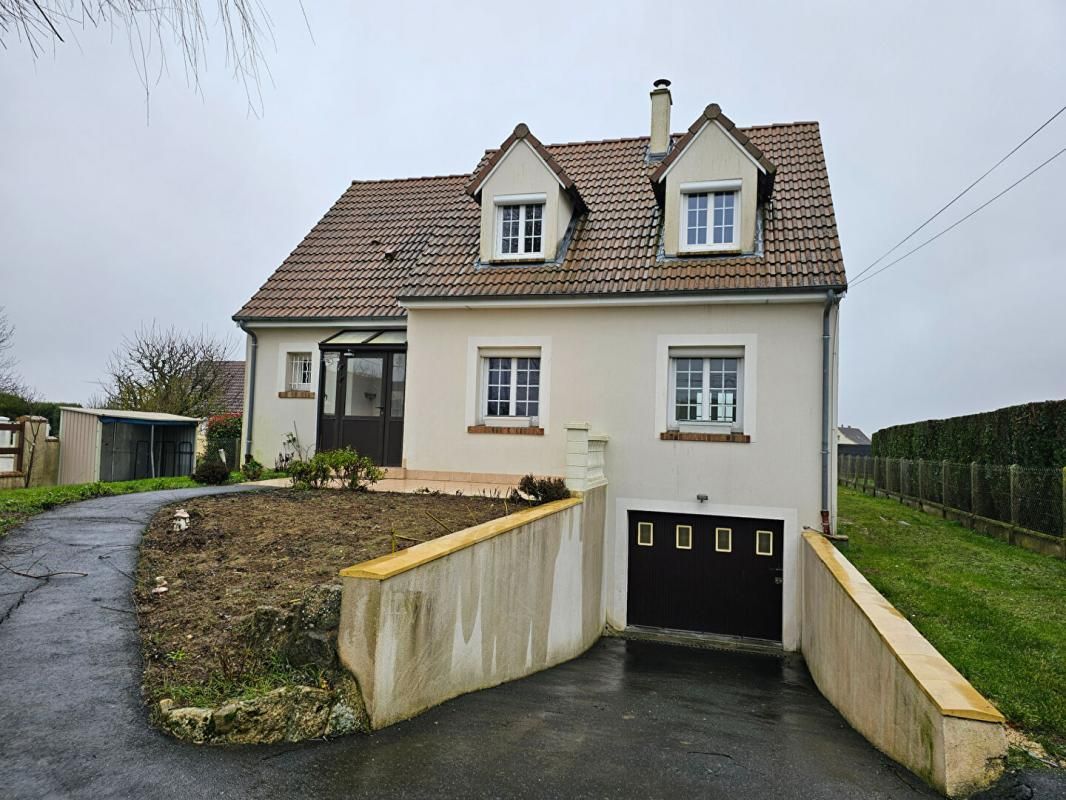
[312,647]
[268,628]
[191,724]
[321,607]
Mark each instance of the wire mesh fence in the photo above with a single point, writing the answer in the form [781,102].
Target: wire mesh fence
[1027,497]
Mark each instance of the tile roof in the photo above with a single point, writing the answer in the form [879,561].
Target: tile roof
[713,113]
[233,386]
[521,133]
[341,270]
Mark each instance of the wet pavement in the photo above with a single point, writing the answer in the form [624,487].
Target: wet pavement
[628,719]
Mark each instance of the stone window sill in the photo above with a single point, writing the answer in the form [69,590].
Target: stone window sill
[679,436]
[296,394]
[511,431]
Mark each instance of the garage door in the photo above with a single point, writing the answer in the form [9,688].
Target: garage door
[710,574]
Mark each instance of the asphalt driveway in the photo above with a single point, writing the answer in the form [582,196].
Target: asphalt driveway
[627,719]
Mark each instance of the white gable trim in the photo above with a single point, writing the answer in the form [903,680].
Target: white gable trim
[508,153]
[728,135]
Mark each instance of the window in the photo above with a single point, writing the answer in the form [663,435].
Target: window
[684,537]
[645,534]
[764,543]
[706,391]
[299,372]
[512,386]
[710,216]
[521,229]
[723,540]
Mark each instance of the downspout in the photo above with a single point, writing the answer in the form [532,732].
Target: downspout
[832,298]
[249,417]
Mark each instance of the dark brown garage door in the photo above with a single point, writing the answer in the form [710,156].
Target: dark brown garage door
[709,574]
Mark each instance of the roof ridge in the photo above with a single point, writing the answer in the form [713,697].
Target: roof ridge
[413,178]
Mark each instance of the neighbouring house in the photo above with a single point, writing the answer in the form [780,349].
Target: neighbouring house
[852,442]
[677,294]
[232,387]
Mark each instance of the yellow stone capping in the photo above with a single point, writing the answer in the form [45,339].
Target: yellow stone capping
[952,694]
[385,567]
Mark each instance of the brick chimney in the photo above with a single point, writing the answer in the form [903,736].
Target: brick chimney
[660,120]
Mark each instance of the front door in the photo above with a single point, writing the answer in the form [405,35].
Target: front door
[693,572]
[361,406]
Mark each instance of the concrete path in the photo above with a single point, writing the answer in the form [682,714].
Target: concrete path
[625,720]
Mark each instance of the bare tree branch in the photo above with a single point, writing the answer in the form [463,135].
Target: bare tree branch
[170,371]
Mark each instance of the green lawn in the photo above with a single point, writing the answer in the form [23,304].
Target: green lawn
[996,612]
[18,505]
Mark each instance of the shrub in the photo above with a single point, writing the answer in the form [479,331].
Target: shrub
[252,470]
[355,471]
[224,433]
[536,491]
[211,471]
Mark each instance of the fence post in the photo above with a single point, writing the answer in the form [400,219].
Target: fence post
[1063,520]
[944,483]
[921,479]
[902,472]
[1015,493]
[974,493]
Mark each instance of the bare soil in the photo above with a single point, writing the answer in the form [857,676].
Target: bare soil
[263,548]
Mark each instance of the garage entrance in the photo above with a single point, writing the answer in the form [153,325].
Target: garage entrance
[692,572]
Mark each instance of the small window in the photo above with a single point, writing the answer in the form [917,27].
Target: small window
[723,540]
[764,543]
[299,372]
[520,229]
[684,537]
[645,534]
[706,391]
[710,220]
[512,387]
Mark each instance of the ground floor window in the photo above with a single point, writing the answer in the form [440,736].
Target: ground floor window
[511,388]
[705,390]
[298,372]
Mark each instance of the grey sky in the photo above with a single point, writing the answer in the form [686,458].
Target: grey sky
[107,222]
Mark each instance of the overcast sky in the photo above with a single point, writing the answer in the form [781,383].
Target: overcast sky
[108,221]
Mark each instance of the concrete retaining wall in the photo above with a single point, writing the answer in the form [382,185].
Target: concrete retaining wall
[890,683]
[477,608]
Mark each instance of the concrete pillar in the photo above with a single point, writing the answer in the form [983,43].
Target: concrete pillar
[585,455]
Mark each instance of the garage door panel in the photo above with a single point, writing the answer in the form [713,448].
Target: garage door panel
[702,573]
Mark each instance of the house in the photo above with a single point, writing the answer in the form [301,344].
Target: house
[232,386]
[675,293]
[852,442]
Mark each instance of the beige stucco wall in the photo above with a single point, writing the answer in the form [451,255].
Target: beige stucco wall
[890,683]
[480,608]
[711,156]
[520,172]
[607,367]
[276,416]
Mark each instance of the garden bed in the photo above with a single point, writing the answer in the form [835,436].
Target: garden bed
[264,549]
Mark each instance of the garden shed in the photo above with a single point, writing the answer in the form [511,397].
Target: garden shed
[103,444]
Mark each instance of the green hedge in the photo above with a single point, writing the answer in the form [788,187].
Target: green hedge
[1033,435]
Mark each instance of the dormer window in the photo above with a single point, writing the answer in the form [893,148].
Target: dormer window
[520,226]
[711,216]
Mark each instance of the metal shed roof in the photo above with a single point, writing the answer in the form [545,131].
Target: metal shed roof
[134,417]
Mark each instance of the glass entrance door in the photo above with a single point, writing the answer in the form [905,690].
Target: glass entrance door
[361,405]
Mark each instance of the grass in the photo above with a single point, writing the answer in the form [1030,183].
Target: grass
[996,612]
[18,505]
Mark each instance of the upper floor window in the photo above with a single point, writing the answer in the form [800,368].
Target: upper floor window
[299,372]
[711,216]
[520,229]
[706,391]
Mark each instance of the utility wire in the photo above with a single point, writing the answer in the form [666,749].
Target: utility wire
[959,222]
[951,202]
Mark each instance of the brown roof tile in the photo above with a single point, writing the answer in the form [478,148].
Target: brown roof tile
[340,269]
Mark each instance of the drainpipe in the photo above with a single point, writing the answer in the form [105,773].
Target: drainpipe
[249,417]
[832,298]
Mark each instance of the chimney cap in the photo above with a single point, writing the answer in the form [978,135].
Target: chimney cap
[662,83]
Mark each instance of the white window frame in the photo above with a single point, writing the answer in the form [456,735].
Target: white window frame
[759,551]
[648,527]
[306,359]
[512,420]
[705,354]
[522,201]
[709,188]
[476,394]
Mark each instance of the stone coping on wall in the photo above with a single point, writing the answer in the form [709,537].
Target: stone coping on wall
[949,691]
[385,567]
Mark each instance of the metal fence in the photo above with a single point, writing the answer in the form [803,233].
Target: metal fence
[1027,497]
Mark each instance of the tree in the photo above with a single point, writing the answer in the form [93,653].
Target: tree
[169,371]
[10,381]
[150,27]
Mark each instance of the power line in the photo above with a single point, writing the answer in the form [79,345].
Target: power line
[959,222]
[951,202]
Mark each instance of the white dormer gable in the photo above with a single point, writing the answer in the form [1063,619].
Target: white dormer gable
[710,186]
[527,202]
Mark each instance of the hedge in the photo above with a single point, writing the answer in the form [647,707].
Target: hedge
[1033,435]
